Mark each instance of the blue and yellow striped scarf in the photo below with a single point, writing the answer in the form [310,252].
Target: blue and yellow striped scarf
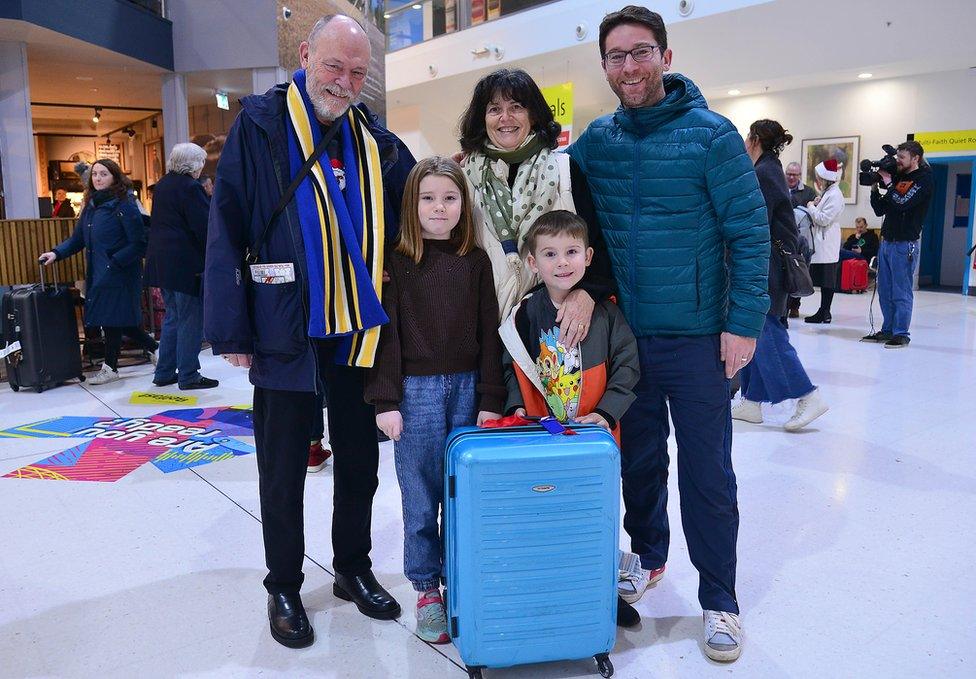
[342,231]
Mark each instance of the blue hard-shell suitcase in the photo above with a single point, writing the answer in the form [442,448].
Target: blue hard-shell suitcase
[531,530]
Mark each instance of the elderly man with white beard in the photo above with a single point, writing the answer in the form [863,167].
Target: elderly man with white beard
[307,194]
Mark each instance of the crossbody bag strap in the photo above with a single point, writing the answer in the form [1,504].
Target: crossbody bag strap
[251,254]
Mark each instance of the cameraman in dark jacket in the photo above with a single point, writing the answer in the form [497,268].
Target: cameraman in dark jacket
[903,207]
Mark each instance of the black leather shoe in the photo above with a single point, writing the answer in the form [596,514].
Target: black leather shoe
[627,615]
[289,624]
[202,383]
[819,317]
[369,596]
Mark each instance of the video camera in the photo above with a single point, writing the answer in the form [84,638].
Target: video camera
[869,168]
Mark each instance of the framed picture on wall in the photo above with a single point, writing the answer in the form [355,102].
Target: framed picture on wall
[845,150]
[155,165]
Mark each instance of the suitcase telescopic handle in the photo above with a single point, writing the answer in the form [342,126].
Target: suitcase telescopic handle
[40,268]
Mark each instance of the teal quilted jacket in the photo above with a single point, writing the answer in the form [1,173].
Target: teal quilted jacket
[682,215]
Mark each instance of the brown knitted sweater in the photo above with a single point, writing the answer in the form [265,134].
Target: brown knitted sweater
[443,319]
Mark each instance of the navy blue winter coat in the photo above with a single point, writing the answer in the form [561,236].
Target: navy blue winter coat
[113,235]
[270,322]
[177,234]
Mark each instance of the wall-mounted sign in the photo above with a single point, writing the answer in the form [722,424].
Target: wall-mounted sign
[560,100]
[222,101]
[109,152]
[951,140]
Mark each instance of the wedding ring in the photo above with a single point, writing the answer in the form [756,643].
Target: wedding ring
[581,326]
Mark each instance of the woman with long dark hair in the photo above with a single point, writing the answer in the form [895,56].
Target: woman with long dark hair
[508,138]
[112,233]
[775,373]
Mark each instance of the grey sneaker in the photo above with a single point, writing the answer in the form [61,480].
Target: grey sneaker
[723,635]
[432,619]
[104,376]
[632,580]
[747,411]
[808,408]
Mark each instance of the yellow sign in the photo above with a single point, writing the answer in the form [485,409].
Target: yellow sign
[560,100]
[155,398]
[953,140]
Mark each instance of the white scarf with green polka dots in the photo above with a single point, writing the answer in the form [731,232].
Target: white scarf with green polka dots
[512,211]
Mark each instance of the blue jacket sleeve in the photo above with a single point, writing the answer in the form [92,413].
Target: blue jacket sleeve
[741,212]
[226,318]
[394,183]
[72,244]
[137,239]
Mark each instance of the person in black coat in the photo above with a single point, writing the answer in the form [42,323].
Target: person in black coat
[775,373]
[62,206]
[111,231]
[174,264]
[862,244]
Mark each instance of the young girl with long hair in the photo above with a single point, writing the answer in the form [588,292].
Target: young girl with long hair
[438,365]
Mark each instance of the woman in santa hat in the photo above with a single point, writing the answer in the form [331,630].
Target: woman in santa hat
[825,213]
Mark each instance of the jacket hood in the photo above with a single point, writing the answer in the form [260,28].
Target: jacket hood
[680,96]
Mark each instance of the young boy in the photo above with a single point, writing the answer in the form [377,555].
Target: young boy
[594,381]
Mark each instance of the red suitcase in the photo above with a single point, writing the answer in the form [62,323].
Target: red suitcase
[853,275]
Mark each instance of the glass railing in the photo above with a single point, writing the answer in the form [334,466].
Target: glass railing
[410,22]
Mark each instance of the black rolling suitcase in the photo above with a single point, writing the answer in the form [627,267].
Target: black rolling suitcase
[42,319]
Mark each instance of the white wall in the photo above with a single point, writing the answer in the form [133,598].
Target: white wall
[223,34]
[881,112]
[955,242]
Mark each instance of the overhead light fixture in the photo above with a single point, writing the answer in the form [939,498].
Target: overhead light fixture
[865,76]
[129,131]
[386,15]
[98,115]
[734,93]
[417,5]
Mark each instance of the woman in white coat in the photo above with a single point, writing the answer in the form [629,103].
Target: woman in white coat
[825,213]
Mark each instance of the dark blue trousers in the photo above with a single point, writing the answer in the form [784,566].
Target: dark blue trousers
[686,376]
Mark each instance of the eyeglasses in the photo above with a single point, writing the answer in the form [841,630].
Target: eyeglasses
[639,54]
[792,174]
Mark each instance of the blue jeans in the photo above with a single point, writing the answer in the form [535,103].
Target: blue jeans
[685,375]
[432,406]
[775,373]
[897,261]
[180,339]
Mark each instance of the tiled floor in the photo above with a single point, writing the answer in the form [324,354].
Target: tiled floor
[855,552]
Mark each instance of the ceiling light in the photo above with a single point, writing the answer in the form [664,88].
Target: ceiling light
[417,5]
[386,15]
[733,93]
[83,77]
[98,115]
[865,76]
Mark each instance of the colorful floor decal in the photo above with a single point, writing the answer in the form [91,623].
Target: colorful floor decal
[171,440]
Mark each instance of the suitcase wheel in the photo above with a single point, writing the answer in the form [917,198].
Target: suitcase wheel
[604,665]
[81,378]
[15,387]
[39,388]
[474,672]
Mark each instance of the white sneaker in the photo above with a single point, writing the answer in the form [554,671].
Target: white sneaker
[154,357]
[723,635]
[104,376]
[632,580]
[747,411]
[808,408]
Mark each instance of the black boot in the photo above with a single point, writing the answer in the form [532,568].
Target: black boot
[819,317]
[369,596]
[627,615]
[289,624]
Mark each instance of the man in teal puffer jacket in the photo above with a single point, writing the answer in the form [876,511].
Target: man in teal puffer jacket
[685,225]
